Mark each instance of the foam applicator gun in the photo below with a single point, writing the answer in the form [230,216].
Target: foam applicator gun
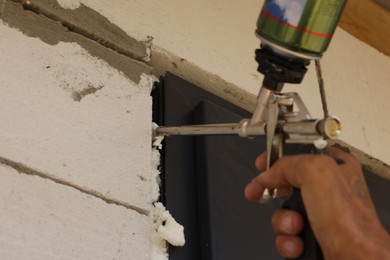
[292,33]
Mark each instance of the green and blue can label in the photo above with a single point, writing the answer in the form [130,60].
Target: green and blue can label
[301,26]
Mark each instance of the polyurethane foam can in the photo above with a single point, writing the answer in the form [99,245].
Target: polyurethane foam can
[299,28]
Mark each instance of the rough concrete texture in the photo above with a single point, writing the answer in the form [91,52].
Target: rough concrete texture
[44,220]
[69,115]
[91,24]
[76,180]
[52,32]
[1,6]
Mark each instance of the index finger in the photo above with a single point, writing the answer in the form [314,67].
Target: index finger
[299,171]
[261,161]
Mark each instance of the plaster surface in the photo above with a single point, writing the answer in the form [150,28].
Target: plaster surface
[1,6]
[71,116]
[41,219]
[76,172]
[91,24]
[52,32]
[218,37]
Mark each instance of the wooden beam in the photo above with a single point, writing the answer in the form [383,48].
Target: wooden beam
[369,22]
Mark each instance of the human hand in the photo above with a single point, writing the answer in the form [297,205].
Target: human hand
[337,201]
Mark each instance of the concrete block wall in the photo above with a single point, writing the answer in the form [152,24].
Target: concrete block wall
[75,138]
[76,175]
[41,219]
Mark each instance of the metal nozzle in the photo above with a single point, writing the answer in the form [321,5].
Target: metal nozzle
[212,129]
[330,127]
[243,129]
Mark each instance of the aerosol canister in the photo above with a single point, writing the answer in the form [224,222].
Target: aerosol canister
[299,28]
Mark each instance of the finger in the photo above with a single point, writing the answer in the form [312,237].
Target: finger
[300,170]
[289,246]
[254,190]
[261,162]
[287,222]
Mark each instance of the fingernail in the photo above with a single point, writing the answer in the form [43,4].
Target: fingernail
[287,223]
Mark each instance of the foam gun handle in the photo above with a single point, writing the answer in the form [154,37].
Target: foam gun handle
[312,250]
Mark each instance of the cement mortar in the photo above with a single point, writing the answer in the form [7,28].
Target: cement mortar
[91,24]
[50,32]
[1,6]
